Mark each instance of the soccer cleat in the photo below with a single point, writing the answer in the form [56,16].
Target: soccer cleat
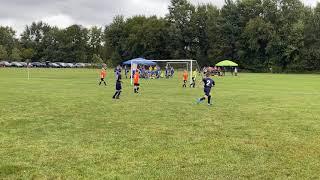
[210,104]
[198,101]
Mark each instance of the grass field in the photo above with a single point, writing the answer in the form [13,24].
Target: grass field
[61,125]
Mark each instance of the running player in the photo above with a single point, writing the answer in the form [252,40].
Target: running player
[103,74]
[185,78]
[118,87]
[136,81]
[208,84]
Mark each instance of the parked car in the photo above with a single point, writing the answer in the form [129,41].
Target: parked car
[24,64]
[16,64]
[70,65]
[62,65]
[5,64]
[54,65]
[38,64]
[80,65]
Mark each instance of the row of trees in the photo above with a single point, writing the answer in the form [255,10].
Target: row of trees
[258,34]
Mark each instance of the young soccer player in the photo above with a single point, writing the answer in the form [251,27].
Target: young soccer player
[172,72]
[194,77]
[208,84]
[136,81]
[103,74]
[118,87]
[185,78]
[126,71]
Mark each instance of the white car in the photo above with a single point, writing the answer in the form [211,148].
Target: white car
[5,64]
[62,65]
[16,64]
[80,65]
[70,65]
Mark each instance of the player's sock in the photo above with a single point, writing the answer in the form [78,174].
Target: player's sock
[100,83]
[114,96]
[202,99]
[104,83]
[209,99]
[118,96]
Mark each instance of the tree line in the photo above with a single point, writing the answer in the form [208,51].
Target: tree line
[257,34]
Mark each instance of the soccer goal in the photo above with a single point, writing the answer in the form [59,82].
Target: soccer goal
[190,64]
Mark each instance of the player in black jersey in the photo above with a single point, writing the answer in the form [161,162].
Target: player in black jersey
[208,84]
[118,88]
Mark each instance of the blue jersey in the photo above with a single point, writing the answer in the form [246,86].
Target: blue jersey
[208,83]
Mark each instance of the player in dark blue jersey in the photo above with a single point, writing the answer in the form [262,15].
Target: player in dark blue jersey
[118,87]
[208,84]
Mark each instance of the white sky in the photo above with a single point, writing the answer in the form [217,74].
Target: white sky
[63,13]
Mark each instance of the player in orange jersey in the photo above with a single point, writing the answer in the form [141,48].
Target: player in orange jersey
[136,81]
[185,78]
[103,74]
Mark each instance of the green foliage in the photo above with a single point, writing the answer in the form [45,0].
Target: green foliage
[15,55]
[96,59]
[27,54]
[3,53]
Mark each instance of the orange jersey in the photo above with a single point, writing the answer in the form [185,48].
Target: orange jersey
[185,76]
[136,78]
[103,73]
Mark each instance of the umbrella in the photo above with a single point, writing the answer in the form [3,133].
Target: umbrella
[227,63]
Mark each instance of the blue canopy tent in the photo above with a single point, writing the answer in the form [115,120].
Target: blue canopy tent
[140,61]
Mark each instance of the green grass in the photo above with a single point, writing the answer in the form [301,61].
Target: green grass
[61,125]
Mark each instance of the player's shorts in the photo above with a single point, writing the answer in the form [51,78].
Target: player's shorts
[118,87]
[102,79]
[207,91]
[185,81]
[136,84]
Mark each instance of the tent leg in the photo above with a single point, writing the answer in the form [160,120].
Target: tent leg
[191,72]
[131,75]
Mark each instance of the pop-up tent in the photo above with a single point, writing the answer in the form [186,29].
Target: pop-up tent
[227,63]
[140,61]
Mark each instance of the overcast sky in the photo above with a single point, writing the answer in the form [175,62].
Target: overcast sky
[62,13]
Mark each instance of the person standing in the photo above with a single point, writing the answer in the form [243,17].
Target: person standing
[194,77]
[136,81]
[185,78]
[118,88]
[103,74]
[126,71]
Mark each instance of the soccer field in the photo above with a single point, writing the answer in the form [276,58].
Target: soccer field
[61,125]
